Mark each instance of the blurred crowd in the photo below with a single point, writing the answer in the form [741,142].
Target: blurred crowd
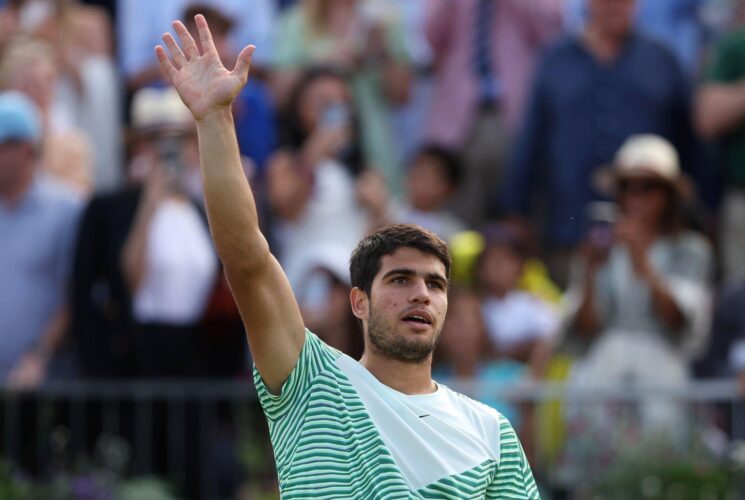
[584,159]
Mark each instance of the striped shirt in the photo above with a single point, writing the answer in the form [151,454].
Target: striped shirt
[337,432]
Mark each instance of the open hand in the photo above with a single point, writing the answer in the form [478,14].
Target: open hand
[203,83]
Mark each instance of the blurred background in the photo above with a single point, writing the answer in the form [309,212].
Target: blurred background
[584,159]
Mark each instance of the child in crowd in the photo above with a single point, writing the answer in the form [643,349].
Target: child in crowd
[517,322]
[431,182]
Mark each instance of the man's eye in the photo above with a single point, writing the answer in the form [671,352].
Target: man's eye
[400,280]
[435,284]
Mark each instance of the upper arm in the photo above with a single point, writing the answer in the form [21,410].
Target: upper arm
[270,313]
[541,18]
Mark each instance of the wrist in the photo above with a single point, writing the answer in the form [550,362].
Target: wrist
[221,115]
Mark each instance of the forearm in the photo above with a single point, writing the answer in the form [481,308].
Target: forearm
[664,304]
[54,334]
[586,319]
[231,208]
[720,108]
[134,250]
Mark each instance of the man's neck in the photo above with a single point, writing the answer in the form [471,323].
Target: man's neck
[402,376]
[604,46]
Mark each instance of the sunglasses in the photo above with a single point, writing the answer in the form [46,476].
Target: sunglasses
[640,186]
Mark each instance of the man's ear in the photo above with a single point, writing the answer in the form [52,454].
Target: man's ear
[360,303]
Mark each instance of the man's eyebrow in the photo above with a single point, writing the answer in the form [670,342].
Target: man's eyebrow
[411,272]
[401,272]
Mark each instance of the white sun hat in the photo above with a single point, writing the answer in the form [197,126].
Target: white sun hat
[645,156]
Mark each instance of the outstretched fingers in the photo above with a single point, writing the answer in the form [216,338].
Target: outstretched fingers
[178,58]
[187,42]
[243,63]
[205,36]
[165,63]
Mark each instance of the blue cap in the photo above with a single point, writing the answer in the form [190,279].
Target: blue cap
[19,118]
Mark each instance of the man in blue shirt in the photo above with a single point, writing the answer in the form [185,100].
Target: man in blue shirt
[592,90]
[38,221]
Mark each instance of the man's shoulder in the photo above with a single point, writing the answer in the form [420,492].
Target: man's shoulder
[650,47]
[471,408]
[61,203]
[566,46]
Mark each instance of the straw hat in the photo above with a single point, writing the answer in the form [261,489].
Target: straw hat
[158,111]
[645,156]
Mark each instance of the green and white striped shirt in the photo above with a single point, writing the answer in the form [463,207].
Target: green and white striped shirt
[337,432]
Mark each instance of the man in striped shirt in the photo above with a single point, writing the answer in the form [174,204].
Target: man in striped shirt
[375,428]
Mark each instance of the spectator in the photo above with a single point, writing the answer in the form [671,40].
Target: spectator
[592,91]
[84,90]
[720,114]
[483,53]
[642,292]
[29,66]
[142,22]
[679,24]
[145,266]
[38,221]
[311,180]
[361,38]
[517,322]
[431,182]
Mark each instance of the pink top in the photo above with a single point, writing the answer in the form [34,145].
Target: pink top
[520,29]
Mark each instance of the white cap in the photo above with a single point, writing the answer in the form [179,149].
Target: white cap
[646,155]
[158,109]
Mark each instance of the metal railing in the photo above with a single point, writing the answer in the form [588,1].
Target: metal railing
[207,438]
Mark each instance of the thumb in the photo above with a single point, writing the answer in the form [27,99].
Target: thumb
[243,63]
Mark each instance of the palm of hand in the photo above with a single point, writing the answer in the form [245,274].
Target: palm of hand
[205,84]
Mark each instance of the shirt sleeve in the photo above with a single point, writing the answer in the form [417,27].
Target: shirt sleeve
[727,61]
[315,357]
[688,281]
[514,479]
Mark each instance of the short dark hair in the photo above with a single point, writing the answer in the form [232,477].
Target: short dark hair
[448,159]
[219,22]
[365,262]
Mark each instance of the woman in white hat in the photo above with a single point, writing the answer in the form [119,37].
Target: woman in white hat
[641,293]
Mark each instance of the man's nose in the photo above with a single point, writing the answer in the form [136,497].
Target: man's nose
[420,292]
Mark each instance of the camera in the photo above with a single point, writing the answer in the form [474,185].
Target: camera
[601,215]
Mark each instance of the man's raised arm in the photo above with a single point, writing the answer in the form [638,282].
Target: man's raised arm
[261,290]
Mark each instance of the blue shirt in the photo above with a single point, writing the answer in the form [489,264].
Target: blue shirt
[255,123]
[580,112]
[677,23]
[36,240]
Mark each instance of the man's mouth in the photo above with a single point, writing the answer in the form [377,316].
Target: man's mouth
[418,318]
